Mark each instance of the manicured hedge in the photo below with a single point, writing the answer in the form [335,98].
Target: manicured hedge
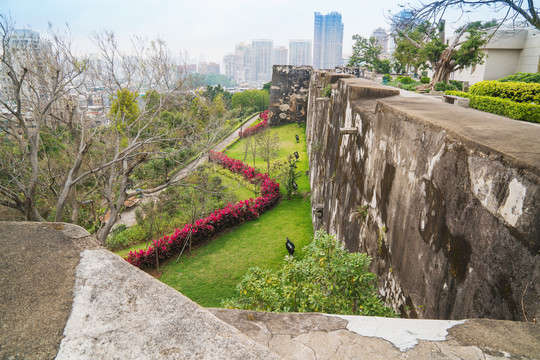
[499,106]
[523,77]
[252,130]
[219,220]
[515,91]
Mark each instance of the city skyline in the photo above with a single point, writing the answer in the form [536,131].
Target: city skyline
[207,30]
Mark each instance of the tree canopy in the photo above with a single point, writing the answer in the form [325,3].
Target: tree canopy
[367,52]
[250,101]
[430,46]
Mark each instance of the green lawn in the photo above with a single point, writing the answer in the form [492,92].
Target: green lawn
[211,273]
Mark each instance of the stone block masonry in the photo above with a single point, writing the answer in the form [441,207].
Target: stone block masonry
[444,199]
[289,94]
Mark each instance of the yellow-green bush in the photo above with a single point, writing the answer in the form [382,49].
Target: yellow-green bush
[500,106]
[515,91]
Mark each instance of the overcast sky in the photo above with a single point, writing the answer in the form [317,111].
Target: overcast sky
[206,29]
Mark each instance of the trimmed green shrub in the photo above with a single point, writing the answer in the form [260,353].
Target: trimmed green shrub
[425,80]
[504,107]
[404,79]
[444,87]
[389,77]
[515,91]
[457,84]
[523,77]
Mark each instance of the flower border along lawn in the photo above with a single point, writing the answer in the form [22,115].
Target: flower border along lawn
[214,269]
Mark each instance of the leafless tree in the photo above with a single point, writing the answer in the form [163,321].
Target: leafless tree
[36,76]
[268,147]
[519,12]
[40,89]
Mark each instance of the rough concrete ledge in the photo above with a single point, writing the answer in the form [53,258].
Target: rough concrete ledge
[120,311]
[37,273]
[65,296]
[366,89]
[319,336]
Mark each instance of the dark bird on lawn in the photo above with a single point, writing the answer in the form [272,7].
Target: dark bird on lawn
[297,138]
[290,246]
[296,155]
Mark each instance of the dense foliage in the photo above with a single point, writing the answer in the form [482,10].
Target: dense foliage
[500,106]
[329,279]
[523,77]
[250,101]
[367,52]
[515,91]
[422,43]
[404,79]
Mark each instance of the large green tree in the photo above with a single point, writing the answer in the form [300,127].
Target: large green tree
[366,52]
[463,52]
[250,101]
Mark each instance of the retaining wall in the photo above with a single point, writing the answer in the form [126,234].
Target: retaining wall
[444,199]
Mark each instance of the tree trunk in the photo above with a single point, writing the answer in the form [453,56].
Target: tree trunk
[443,68]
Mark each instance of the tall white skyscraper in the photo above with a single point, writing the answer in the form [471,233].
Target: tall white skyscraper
[243,63]
[262,60]
[327,41]
[300,52]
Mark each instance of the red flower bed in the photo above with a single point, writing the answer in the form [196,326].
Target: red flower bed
[221,219]
[255,129]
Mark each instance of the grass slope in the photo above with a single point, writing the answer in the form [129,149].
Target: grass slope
[211,273]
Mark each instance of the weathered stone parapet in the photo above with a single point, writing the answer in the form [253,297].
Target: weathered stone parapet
[445,199]
[288,94]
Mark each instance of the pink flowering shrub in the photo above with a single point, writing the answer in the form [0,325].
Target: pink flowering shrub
[256,128]
[221,219]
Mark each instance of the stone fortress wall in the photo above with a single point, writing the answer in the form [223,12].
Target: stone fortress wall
[444,199]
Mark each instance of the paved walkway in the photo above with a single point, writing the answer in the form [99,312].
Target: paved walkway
[127,217]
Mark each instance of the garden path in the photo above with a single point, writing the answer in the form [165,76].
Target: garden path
[127,217]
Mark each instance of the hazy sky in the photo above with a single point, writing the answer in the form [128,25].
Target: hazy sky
[206,29]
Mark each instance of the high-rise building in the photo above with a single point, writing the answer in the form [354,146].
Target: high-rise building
[279,57]
[228,64]
[300,52]
[262,60]
[327,40]
[243,63]
[381,36]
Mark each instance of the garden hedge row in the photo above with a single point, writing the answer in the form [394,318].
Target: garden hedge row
[231,215]
[523,77]
[515,91]
[499,106]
